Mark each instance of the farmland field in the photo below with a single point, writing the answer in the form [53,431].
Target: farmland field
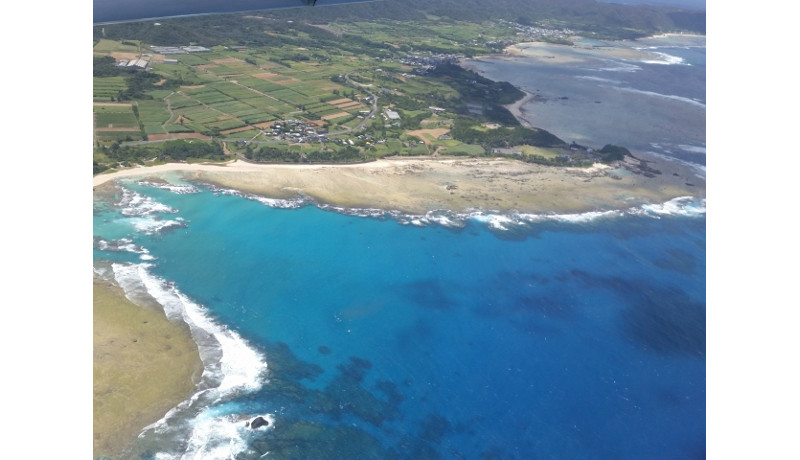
[328,86]
[107,88]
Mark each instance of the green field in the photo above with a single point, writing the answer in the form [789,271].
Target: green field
[107,88]
[118,116]
[297,77]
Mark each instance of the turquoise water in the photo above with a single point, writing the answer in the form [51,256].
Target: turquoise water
[364,337]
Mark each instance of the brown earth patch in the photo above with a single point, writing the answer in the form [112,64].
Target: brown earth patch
[162,137]
[343,100]
[111,127]
[265,125]
[228,60]
[236,130]
[335,115]
[113,104]
[122,56]
[265,76]
[286,81]
[192,86]
[433,132]
[351,105]
[207,66]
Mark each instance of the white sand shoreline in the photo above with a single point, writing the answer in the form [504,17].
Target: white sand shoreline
[420,185]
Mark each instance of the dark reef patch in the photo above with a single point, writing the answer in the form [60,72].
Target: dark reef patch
[285,364]
[311,440]
[677,260]
[429,293]
[389,389]
[666,321]
[659,319]
[434,428]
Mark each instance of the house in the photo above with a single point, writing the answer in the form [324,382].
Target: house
[502,151]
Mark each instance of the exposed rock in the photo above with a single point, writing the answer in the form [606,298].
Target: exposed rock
[258,422]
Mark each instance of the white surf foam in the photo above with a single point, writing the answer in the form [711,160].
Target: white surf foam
[665,59]
[682,206]
[617,66]
[665,96]
[271,202]
[598,79]
[145,214]
[120,245]
[230,365]
[178,189]
[136,204]
[222,436]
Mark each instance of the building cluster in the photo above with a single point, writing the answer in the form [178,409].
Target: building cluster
[139,63]
[424,63]
[296,131]
[178,49]
[531,33]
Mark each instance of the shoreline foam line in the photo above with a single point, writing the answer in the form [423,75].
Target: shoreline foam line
[230,364]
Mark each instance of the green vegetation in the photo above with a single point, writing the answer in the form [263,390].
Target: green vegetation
[356,86]
[611,153]
[108,156]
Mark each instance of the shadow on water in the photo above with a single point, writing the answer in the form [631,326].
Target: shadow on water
[318,424]
[301,439]
[428,294]
[658,319]
[677,260]
[666,321]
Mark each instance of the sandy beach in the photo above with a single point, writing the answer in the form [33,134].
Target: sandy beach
[419,185]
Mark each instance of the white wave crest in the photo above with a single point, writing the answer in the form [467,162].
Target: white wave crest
[682,206]
[120,245]
[230,364]
[666,59]
[145,213]
[154,224]
[271,202]
[178,189]
[665,96]
[136,204]
[599,79]
[617,66]
[240,367]
[221,436]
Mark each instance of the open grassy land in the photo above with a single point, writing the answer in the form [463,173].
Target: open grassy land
[143,366]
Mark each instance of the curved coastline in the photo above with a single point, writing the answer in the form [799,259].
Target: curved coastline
[419,186]
[135,381]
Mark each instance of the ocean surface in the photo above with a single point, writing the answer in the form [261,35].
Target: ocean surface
[366,335]
[656,104]
[111,11]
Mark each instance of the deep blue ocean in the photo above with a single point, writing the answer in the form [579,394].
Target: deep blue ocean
[371,338]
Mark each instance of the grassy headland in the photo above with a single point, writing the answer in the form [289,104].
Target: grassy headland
[144,365]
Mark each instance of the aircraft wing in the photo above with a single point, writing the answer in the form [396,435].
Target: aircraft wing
[112,11]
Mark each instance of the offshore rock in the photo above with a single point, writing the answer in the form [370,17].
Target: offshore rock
[258,422]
